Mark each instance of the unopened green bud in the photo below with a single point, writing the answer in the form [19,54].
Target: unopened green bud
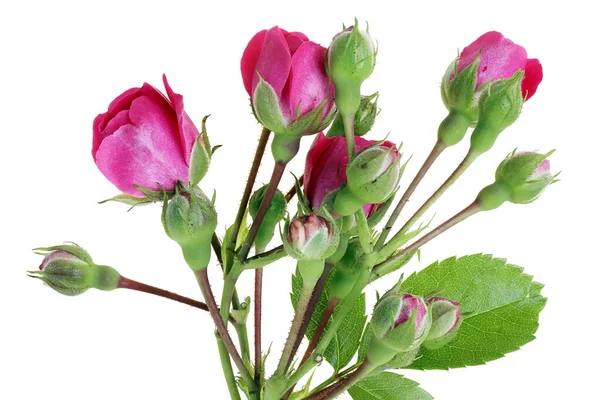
[363,120]
[445,322]
[499,107]
[189,218]
[373,176]
[527,174]
[350,60]
[69,270]
[274,215]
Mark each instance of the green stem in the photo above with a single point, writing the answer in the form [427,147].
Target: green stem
[349,132]
[266,258]
[364,232]
[327,313]
[438,148]
[262,210]
[463,166]
[346,306]
[258,281]
[240,326]
[472,209]
[228,290]
[301,306]
[228,370]
[341,386]
[260,150]
[203,282]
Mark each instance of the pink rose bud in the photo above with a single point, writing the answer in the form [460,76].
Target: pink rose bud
[373,177]
[284,74]
[400,323]
[311,237]
[489,59]
[69,270]
[145,139]
[445,322]
[520,178]
[325,169]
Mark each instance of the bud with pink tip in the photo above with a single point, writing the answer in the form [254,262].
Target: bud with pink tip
[400,323]
[445,322]
[312,237]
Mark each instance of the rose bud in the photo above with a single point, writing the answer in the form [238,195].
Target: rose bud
[520,178]
[445,322]
[373,177]
[190,219]
[146,140]
[274,215]
[291,94]
[325,171]
[69,270]
[350,61]
[490,58]
[363,120]
[400,323]
[312,237]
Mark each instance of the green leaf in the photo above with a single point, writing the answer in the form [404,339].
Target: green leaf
[388,386]
[346,340]
[364,343]
[499,303]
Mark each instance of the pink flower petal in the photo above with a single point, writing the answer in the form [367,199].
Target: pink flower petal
[250,59]
[274,62]
[533,76]
[187,130]
[310,85]
[294,40]
[146,152]
[500,57]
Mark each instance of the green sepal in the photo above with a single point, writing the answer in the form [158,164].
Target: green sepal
[459,94]
[129,200]
[266,107]
[311,122]
[69,247]
[200,156]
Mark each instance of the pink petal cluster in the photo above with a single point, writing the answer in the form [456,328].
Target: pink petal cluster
[411,304]
[325,168]
[302,231]
[500,58]
[57,254]
[293,66]
[144,139]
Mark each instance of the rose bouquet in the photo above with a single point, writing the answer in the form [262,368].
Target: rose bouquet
[338,221]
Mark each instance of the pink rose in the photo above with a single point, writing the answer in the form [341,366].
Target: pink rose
[144,139]
[293,69]
[325,168]
[500,59]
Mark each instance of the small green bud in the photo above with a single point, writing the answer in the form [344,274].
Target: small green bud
[363,120]
[527,174]
[459,92]
[69,270]
[373,176]
[189,218]
[499,107]
[274,215]
[312,237]
[350,61]
[445,322]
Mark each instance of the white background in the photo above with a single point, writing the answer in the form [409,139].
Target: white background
[61,63]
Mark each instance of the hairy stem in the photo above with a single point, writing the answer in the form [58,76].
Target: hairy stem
[264,206]
[228,370]
[327,313]
[438,148]
[341,386]
[258,283]
[471,209]
[203,282]
[462,167]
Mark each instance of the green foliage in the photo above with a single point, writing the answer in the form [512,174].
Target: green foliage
[499,303]
[345,343]
[388,386]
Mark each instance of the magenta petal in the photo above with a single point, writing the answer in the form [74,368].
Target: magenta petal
[500,57]
[310,84]
[533,76]
[274,62]
[187,130]
[146,154]
[294,40]
[250,59]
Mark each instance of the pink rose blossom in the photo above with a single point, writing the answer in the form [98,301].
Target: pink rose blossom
[500,59]
[144,139]
[295,69]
